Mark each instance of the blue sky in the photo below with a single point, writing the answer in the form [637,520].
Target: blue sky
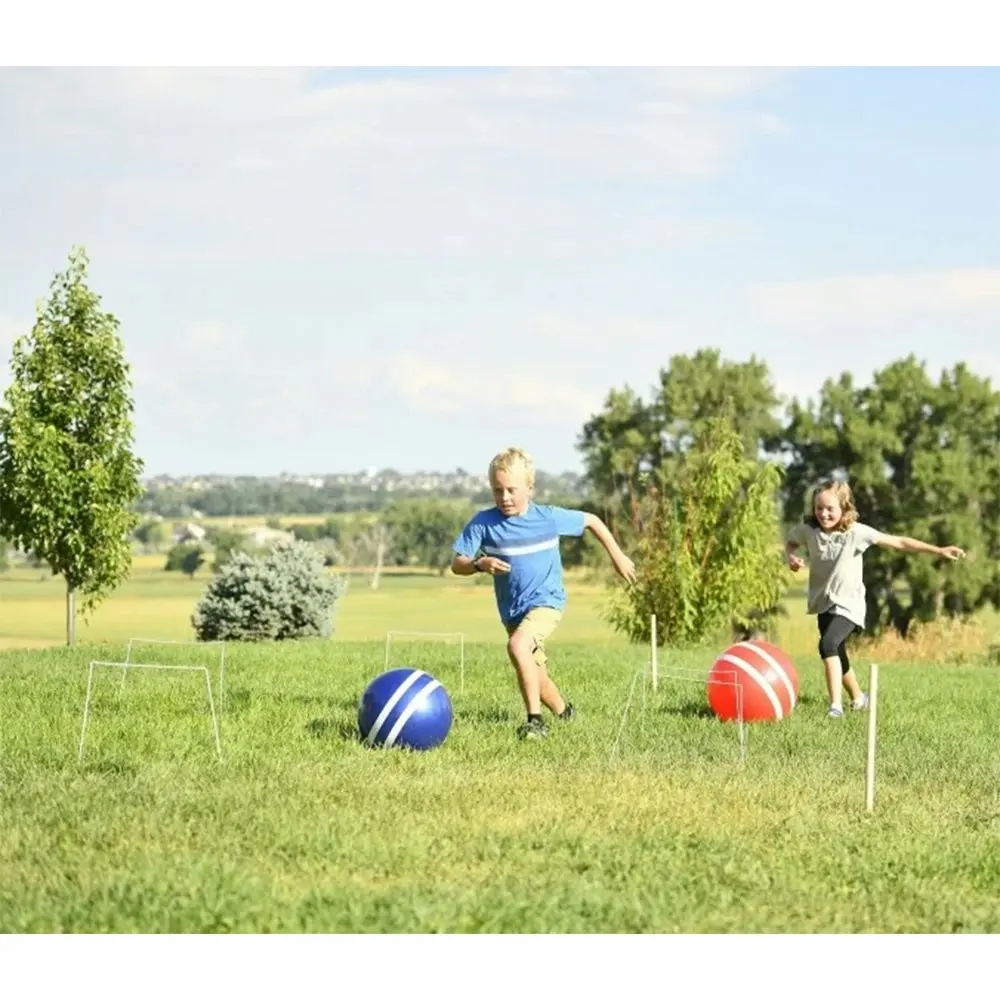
[330,270]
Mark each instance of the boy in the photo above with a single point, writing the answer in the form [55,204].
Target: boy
[517,543]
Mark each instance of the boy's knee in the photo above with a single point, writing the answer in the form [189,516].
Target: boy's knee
[520,643]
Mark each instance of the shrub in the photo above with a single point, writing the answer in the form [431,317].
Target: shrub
[708,553]
[187,557]
[225,542]
[284,594]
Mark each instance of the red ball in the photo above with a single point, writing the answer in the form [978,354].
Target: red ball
[764,675]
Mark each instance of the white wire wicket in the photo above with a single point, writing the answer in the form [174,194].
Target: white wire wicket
[722,678]
[148,666]
[432,635]
[140,641]
[628,704]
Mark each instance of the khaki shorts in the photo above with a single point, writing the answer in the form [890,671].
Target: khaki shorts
[539,623]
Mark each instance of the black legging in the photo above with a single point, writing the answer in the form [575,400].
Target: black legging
[834,631]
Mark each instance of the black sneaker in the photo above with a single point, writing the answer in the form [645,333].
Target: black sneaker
[568,714]
[533,729]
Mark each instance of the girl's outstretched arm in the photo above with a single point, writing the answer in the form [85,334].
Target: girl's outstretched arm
[907,544]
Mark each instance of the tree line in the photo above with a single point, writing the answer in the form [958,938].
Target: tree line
[258,496]
[406,533]
[700,479]
[922,456]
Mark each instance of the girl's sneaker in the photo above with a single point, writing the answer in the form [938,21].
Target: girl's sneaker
[860,705]
[836,712]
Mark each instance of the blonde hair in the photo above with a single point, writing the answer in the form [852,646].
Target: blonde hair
[506,461]
[848,511]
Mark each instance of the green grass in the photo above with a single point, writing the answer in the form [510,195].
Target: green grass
[156,603]
[300,828]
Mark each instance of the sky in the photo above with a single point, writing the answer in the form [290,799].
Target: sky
[329,270]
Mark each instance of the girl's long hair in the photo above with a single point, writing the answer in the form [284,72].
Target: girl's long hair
[848,511]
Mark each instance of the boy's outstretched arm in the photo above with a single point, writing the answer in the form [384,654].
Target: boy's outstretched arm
[624,566]
[907,544]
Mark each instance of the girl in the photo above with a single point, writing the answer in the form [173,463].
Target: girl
[835,541]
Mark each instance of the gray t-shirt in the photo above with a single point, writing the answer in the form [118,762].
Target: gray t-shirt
[836,581]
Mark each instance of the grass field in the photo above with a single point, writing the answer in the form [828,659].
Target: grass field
[299,828]
[159,604]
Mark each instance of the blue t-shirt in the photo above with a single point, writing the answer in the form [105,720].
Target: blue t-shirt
[529,543]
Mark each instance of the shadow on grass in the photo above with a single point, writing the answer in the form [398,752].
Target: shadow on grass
[689,710]
[236,700]
[109,765]
[489,715]
[288,698]
[323,729]
[313,699]
[701,710]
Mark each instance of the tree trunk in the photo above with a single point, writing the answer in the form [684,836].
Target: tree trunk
[70,615]
[379,556]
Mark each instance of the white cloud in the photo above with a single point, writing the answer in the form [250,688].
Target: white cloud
[867,301]
[709,83]
[211,339]
[770,122]
[215,380]
[217,164]
[432,387]
[588,333]
[860,323]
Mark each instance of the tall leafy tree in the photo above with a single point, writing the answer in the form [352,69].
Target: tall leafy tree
[621,447]
[693,391]
[923,459]
[631,442]
[151,535]
[423,530]
[68,475]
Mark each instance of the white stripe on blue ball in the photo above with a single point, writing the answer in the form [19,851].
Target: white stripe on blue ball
[415,704]
[405,707]
[391,703]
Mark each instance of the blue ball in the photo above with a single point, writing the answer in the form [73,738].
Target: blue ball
[405,707]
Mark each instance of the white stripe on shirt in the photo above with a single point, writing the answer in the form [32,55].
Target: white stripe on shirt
[520,550]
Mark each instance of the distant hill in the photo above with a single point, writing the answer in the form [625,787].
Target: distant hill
[218,496]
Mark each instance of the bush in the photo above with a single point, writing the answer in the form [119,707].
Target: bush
[225,542]
[708,555]
[187,557]
[284,594]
